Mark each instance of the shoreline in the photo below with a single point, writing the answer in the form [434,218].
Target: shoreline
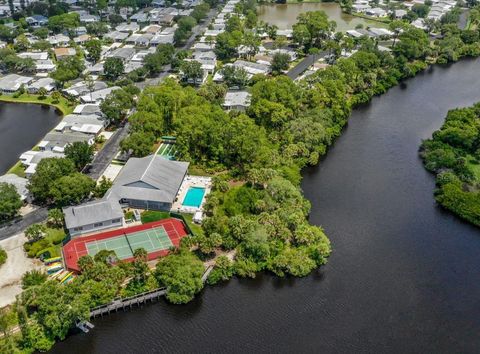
[62,108]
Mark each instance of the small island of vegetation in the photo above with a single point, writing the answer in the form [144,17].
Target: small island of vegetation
[453,154]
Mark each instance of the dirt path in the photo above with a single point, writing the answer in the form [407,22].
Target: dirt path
[16,265]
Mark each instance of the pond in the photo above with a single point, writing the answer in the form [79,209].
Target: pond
[22,126]
[285,15]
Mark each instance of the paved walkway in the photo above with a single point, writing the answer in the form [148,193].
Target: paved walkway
[300,68]
[107,153]
[33,217]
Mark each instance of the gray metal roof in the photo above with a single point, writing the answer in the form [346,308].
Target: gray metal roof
[152,178]
[91,213]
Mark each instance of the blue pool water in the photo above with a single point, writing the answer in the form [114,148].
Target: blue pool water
[194,197]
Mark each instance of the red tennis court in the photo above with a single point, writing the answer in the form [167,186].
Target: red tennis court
[156,238]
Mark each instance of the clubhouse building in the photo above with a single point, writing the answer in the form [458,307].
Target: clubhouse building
[150,182]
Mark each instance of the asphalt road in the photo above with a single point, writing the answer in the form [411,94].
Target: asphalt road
[33,217]
[300,68]
[107,153]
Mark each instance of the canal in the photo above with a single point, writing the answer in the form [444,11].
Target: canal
[22,126]
[404,274]
[285,15]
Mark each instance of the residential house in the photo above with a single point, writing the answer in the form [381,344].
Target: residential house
[128,27]
[124,53]
[82,88]
[30,159]
[47,83]
[62,53]
[237,100]
[117,36]
[98,96]
[37,20]
[92,217]
[12,83]
[57,141]
[58,40]
[87,109]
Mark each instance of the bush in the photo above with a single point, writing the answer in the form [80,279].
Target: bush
[3,256]
[32,278]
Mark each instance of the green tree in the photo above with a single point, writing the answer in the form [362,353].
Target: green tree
[102,187]
[139,144]
[223,270]
[68,69]
[113,68]
[63,22]
[312,29]
[191,71]
[47,172]
[42,93]
[33,278]
[55,218]
[97,29]
[116,105]
[21,43]
[72,189]
[94,49]
[181,274]
[56,96]
[280,62]
[10,202]
[80,152]
[35,232]
[213,92]
[235,76]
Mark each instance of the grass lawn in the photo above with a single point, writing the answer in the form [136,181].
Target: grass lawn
[152,215]
[64,105]
[371,18]
[196,170]
[18,170]
[52,243]
[197,229]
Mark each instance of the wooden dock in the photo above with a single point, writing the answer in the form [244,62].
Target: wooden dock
[127,303]
[140,299]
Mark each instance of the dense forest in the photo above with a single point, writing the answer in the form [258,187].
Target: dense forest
[453,154]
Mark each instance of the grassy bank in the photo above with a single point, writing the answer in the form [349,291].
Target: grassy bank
[385,20]
[18,170]
[63,105]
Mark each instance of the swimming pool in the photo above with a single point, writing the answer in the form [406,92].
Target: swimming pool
[194,197]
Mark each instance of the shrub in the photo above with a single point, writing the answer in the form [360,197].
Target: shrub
[3,256]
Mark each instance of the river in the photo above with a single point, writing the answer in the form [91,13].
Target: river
[404,275]
[22,126]
[285,15]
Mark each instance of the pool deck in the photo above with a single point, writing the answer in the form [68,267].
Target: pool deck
[191,181]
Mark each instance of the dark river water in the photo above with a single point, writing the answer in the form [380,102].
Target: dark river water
[404,276]
[22,126]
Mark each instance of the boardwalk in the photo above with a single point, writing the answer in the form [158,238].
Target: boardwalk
[143,298]
[127,303]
